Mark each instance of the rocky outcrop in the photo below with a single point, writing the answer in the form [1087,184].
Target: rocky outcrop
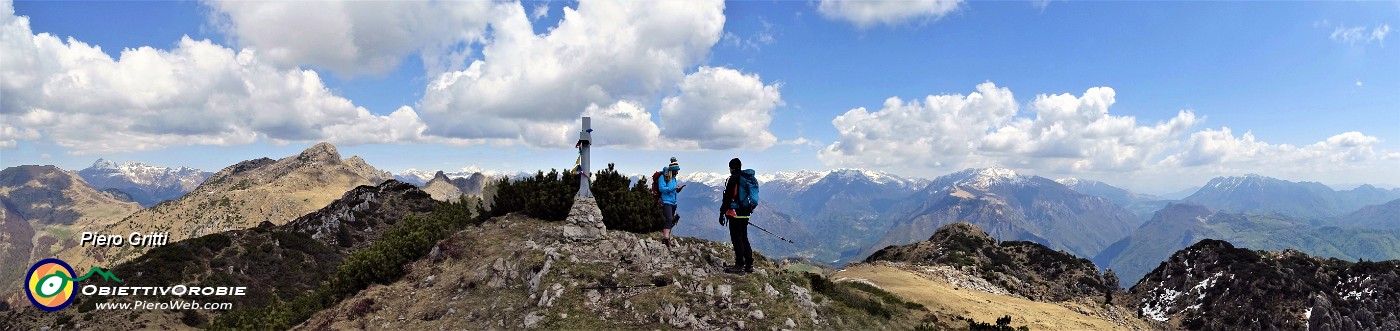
[1213,285]
[519,273]
[585,220]
[360,216]
[1026,269]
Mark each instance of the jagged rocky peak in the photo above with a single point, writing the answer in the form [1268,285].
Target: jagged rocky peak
[440,176]
[362,168]
[321,152]
[102,163]
[362,214]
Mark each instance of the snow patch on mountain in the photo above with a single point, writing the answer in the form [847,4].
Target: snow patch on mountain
[1159,305]
[1071,181]
[1234,182]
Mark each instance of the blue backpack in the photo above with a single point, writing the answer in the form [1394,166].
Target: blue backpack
[747,197]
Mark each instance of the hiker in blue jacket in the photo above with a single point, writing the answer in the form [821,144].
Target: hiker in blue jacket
[668,185]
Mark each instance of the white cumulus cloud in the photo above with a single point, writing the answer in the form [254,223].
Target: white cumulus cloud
[78,97]
[357,37]
[606,58]
[1066,134]
[1221,149]
[721,108]
[869,13]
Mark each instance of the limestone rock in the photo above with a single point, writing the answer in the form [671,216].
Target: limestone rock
[585,221]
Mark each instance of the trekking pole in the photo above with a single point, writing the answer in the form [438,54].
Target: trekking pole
[775,235]
[655,283]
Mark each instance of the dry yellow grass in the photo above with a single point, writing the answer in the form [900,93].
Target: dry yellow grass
[939,295]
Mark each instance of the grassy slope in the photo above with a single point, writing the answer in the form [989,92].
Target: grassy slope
[940,296]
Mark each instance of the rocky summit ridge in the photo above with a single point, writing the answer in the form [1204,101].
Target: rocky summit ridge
[250,192]
[1026,269]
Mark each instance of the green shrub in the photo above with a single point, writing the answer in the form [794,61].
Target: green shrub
[381,262]
[544,196]
[548,196]
[625,208]
[192,318]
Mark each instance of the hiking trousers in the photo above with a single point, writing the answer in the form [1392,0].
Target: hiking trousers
[739,235]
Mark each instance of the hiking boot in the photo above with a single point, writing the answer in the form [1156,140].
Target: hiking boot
[748,269]
[667,241]
[734,269]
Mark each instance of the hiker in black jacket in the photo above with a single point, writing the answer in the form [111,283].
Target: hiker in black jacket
[738,221]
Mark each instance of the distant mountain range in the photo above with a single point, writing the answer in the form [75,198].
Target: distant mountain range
[422,177]
[833,214]
[1306,200]
[444,188]
[1180,225]
[1010,206]
[146,184]
[1142,205]
[1382,216]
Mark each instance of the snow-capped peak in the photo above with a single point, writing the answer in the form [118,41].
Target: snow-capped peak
[1071,181]
[803,179]
[1232,182]
[986,177]
[797,180]
[420,175]
[980,178]
[711,179]
[876,176]
[143,174]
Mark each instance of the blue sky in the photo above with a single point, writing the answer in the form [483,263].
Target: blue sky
[1315,84]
